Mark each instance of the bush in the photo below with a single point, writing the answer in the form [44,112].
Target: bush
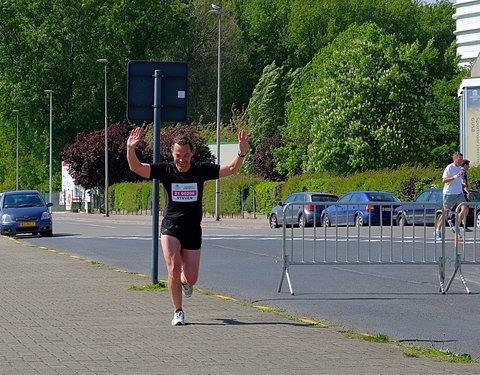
[120,195]
[230,193]
[267,195]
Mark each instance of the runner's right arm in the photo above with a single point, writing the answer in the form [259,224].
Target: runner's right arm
[142,169]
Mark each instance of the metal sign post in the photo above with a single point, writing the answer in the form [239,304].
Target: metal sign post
[161,86]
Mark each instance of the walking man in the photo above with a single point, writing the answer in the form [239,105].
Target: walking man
[452,193]
[181,232]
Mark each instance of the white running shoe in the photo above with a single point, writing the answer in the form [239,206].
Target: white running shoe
[438,234]
[178,318]
[187,290]
[452,226]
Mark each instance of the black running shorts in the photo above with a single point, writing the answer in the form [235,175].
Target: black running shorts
[190,237]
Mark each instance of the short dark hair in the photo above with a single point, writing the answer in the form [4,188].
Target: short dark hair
[183,140]
[465,162]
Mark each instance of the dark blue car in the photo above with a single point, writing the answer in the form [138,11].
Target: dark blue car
[361,208]
[25,211]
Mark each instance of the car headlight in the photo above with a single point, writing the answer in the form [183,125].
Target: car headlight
[6,218]
[46,215]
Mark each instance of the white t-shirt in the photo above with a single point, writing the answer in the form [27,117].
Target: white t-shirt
[455,186]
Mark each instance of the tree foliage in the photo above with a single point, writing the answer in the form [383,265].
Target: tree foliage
[86,157]
[360,105]
[267,106]
[55,44]
[264,164]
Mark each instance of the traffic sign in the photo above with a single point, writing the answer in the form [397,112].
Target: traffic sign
[140,90]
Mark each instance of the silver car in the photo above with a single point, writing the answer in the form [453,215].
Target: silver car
[302,215]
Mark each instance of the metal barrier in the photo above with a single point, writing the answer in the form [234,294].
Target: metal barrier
[466,245]
[360,242]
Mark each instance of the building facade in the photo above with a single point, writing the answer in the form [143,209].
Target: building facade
[467,18]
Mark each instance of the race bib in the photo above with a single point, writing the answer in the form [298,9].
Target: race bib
[185,192]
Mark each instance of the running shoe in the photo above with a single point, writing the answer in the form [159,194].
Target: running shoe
[178,318]
[451,225]
[438,234]
[187,290]
[468,230]
[454,230]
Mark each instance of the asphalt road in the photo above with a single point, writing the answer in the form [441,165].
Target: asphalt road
[242,262]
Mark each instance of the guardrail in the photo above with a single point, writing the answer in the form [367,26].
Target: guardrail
[375,239]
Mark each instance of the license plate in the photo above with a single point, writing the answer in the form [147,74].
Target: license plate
[387,208]
[28,224]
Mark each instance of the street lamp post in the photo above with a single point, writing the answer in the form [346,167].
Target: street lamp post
[50,93]
[105,61]
[217,10]
[16,159]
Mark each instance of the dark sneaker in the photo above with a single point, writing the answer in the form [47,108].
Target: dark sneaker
[187,290]
[178,318]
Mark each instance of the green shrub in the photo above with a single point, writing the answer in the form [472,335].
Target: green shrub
[267,195]
[120,195]
[146,190]
[230,193]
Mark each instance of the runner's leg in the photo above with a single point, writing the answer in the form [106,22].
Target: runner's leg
[191,263]
[172,253]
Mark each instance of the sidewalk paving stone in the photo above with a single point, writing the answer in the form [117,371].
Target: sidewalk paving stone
[63,315]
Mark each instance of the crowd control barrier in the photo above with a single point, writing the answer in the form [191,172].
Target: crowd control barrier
[466,245]
[344,238]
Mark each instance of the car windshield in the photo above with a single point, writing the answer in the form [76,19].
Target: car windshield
[323,198]
[22,200]
[382,197]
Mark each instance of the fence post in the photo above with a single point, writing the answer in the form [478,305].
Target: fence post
[242,191]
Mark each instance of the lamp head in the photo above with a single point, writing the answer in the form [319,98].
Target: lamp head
[102,60]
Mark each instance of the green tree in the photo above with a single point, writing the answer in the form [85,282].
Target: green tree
[266,107]
[361,105]
[444,116]
[54,44]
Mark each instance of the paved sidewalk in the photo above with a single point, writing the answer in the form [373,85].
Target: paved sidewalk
[62,315]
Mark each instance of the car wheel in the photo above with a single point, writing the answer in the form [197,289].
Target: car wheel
[477,221]
[401,221]
[302,221]
[48,233]
[359,220]
[325,221]
[273,221]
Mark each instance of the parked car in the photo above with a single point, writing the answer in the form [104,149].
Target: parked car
[300,214]
[428,212]
[25,211]
[368,211]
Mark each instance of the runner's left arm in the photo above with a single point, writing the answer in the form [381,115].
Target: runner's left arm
[232,167]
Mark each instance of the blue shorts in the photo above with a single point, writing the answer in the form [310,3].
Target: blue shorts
[451,200]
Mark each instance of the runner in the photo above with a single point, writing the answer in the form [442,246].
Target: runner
[452,195]
[181,232]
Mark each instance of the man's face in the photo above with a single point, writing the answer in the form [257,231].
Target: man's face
[458,161]
[182,156]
